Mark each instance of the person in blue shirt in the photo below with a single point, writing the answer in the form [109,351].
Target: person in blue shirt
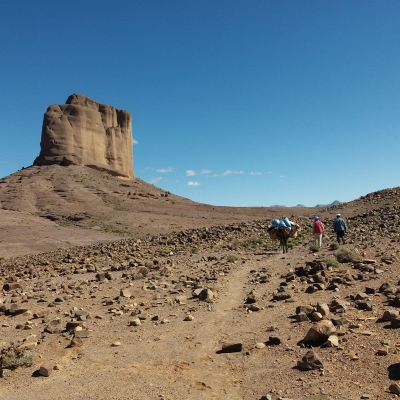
[340,227]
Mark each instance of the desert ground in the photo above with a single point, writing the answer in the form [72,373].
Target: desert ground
[115,289]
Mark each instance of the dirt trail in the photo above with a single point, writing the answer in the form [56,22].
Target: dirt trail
[177,360]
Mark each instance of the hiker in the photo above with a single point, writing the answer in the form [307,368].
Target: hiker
[340,227]
[318,230]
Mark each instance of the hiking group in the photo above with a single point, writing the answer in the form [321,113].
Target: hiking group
[339,227]
[283,229]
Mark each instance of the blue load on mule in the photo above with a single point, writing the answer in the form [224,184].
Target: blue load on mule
[281,230]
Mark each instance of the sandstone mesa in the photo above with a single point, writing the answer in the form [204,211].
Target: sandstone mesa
[85,132]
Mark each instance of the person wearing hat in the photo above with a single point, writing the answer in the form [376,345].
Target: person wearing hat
[340,227]
[318,230]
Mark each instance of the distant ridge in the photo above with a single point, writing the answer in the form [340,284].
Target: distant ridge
[318,205]
[334,203]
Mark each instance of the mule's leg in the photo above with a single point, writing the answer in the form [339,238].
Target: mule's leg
[284,243]
[286,238]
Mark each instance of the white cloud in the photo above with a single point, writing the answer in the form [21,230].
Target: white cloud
[135,141]
[190,172]
[205,171]
[165,170]
[282,176]
[255,173]
[229,172]
[153,181]
[190,183]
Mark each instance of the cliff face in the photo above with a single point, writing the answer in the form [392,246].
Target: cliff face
[84,132]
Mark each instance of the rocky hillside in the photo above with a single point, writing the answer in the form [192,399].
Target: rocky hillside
[206,313]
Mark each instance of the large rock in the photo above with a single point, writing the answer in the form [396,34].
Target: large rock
[84,132]
[320,332]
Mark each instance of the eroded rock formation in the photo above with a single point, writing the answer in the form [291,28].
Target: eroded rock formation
[84,132]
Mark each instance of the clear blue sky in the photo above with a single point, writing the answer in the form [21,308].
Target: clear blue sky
[243,103]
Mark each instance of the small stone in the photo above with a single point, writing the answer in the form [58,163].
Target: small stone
[370,290]
[316,316]
[323,309]
[320,332]
[125,293]
[274,341]
[82,333]
[28,345]
[282,296]
[12,286]
[45,369]
[311,289]
[366,333]
[364,305]
[189,318]
[206,295]
[361,296]
[82,315]
[301,317]
[338,321]
[260,345]
[116,344]
[383,351]
[394,388]
[333,341]
[310,361]
[395,322]
[76,342]
[305,309]
[5,372]
[135,322]
[388,315]
[231,348]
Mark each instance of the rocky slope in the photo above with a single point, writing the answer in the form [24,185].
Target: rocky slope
[208,313]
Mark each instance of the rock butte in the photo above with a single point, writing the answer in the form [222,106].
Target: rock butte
[84,132]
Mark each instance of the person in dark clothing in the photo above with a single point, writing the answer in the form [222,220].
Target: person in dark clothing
[340,227]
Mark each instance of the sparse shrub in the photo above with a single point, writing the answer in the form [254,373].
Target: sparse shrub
[235,244]
[252,242]
[11,359]
[194,250]
[333,246]
[344,256]
[314,248]
[232,258]
[331,262]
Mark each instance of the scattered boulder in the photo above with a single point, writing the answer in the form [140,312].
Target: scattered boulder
[206,295]
[231,348]
[320,332]
[394,388]
[45,369]
[310,361]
